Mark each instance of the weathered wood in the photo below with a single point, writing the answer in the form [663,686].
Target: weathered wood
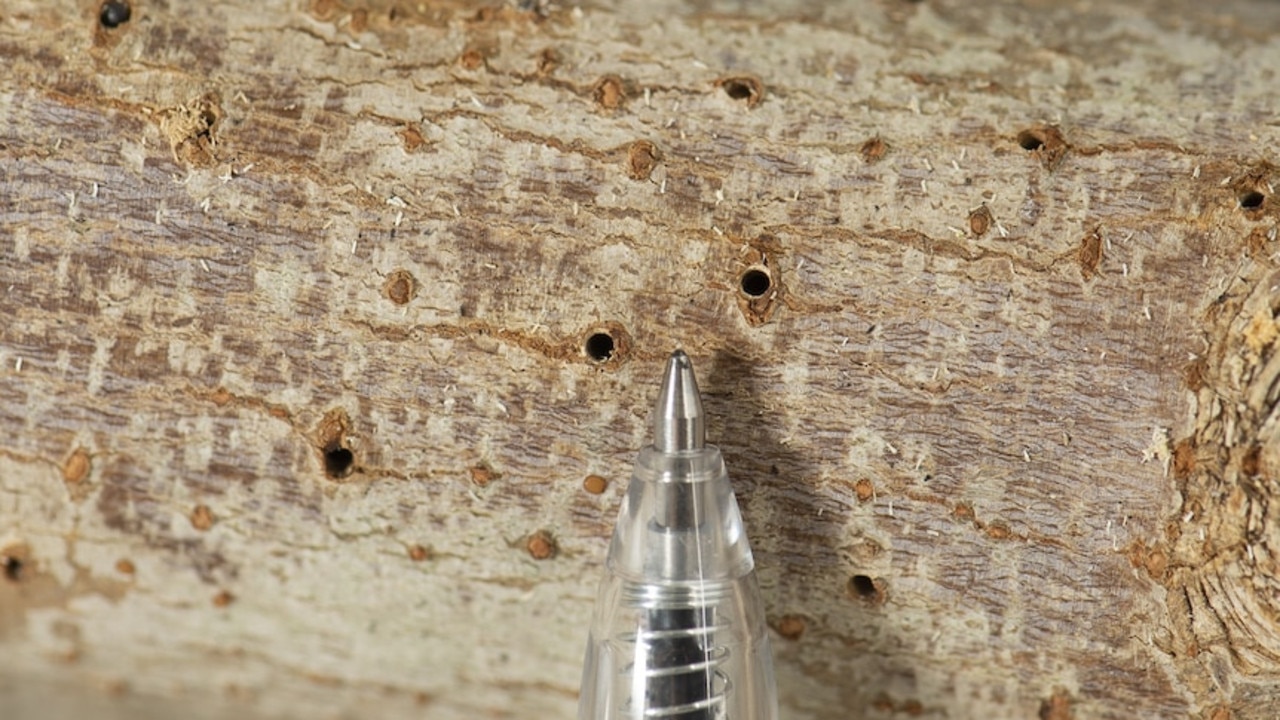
[296,395]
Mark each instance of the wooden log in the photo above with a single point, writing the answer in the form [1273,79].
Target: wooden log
[331,330]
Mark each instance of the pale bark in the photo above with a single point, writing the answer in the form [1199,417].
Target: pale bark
[1001,426]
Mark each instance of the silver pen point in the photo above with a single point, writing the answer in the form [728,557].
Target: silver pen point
[678,629]
[678,421]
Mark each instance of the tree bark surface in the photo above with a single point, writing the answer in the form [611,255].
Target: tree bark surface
[318,319]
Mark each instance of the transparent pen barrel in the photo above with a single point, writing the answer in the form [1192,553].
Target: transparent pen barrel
[688,653]
[678,631]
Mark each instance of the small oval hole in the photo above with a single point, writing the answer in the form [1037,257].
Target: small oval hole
[737,90]
[1030,140]
[1251,200]
[745,87]
[600,347]
[863,586]
[114,14]
[867,589]
[338,461]
[755,282]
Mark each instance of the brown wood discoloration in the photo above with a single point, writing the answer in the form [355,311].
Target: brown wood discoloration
[401,287]
[790,627]
[202,518]
[1090,254]
[980,220]
[642,158]
[595,484]
[1057,706]
[541,545]
[873,150]
[609,92]
[1224,576]
[309,265]
[482,475]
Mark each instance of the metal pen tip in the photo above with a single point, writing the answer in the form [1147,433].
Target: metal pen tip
[678,421]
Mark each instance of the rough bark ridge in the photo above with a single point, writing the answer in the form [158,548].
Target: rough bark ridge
[331,329]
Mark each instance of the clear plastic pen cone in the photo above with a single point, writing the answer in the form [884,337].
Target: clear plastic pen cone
[678,631]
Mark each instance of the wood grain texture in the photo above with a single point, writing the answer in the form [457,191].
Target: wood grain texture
[298,411]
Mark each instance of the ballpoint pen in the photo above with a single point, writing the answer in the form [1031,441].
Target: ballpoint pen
[678,631]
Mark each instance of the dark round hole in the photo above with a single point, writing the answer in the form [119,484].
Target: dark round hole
[600,347]
[13,569]
[1030,140]
[863,586]
[114,14]
[738,90]
[1251,200]
[755,283]
[338,461]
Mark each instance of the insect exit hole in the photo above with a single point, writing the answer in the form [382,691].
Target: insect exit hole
[338,461]
[755,282]
[114,14]
[1030,140]
[600,347]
